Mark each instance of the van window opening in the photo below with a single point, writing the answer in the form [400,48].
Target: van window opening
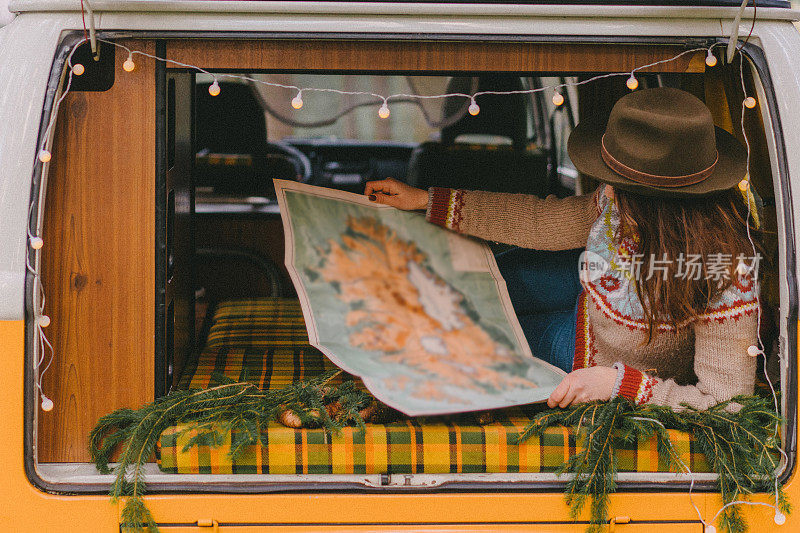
[223,240]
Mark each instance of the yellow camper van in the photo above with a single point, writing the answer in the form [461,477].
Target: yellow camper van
[140,237]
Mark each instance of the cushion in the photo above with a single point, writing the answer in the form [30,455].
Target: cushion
[263,340]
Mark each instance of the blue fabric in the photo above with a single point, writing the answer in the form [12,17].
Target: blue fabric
[544,287]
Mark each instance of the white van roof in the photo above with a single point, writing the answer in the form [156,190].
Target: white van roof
[724,9]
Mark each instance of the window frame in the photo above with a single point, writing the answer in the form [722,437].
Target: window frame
[628,482]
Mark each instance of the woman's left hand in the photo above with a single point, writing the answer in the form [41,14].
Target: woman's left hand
[584,385]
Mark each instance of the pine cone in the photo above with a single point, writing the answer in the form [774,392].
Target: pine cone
[333,409]
[484,417]
[369,411]
[290,419]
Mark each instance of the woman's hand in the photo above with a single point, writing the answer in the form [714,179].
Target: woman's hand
[591,384]
[396,194]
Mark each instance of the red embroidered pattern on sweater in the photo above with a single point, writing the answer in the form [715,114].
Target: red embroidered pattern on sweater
[585,350]
[645,393]
[604,306]
[636,385]
[737,309]
[455,210]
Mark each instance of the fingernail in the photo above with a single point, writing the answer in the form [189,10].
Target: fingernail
[372,197]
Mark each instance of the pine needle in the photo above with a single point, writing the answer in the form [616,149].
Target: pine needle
[739,447]
[236,408]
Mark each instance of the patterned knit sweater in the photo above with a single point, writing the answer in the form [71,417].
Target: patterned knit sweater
[699,364]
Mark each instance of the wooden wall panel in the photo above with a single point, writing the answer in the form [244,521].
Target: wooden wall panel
[427,55]
[98,258]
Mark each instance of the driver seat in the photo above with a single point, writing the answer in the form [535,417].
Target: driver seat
[233,155]
[515,168]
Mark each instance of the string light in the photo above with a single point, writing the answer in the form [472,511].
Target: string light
[43,321]
[214,89]
[47,403]
[78,69]
[753,351]
[558,98]
[632,83]
[36,242]
[711,59]
[129,65]
[297,101]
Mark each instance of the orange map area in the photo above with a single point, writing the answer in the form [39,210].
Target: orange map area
[400,307]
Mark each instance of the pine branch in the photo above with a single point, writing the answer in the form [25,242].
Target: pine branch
[238,409]
[739,446]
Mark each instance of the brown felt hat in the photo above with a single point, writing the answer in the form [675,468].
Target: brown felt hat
[659,142]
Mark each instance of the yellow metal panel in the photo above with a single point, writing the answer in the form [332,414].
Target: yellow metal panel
[24,508]
[661,527]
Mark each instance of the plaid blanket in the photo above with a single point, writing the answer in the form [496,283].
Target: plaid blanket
[258,323]
[433,446]
[264,341]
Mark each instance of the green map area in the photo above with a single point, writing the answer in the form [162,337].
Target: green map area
[385,299]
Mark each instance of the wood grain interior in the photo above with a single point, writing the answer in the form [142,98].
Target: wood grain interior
[99,258]
[418,56]
[99,227]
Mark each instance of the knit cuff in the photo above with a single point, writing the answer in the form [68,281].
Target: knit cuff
[633,384]
[444,207]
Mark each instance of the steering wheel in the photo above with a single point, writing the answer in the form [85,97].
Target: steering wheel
[301,162]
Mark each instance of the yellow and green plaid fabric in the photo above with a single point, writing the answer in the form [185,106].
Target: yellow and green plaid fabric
[408,447]
[264,341]
[258,323]
[269,368]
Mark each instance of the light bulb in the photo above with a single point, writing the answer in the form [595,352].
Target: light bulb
[78,69]
[558,99]
[43,321]
[632,83]
[711,59]
[742,269]
[44,155]
[473,108]
[743,185]
[36,242]
[297,101]
[129,65]
[213,89]
[753,351]
[384,112]
[47,403]
[780,518]
[749,102]
[710,529]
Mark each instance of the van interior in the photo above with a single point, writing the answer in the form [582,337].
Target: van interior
[164,264]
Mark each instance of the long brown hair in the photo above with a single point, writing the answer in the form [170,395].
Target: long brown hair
[682,227]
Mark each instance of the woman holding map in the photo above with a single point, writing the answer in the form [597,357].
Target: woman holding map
[666,306]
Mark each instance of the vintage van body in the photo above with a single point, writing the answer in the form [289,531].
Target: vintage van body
[102,208]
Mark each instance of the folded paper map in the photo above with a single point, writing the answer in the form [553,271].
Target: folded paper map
[419,313]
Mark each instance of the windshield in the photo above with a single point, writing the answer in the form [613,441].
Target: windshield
[330,114]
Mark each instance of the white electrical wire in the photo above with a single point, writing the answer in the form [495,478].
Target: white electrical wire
[406,97]
[779,517]
[382,98]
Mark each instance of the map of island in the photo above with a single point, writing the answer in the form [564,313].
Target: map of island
[419,313]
